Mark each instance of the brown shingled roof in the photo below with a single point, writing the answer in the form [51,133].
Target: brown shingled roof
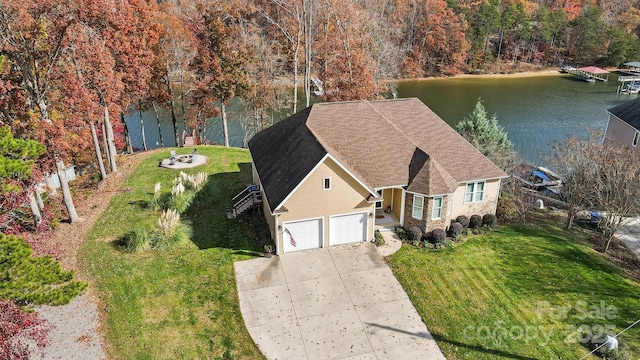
[378,141]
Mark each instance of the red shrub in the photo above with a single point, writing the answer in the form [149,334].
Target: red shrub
[19,331]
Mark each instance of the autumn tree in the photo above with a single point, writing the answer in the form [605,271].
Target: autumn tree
[33,35]
[171,80]
[220,65]
[346,66]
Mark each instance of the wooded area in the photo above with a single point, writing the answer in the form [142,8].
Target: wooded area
[69,69]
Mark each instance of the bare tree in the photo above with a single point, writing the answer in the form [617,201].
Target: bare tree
[616,188]
[602,177]
[572,161]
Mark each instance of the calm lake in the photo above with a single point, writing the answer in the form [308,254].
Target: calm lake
[535,111]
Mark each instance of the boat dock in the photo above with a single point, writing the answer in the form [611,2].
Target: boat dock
[589,74]
[629,84]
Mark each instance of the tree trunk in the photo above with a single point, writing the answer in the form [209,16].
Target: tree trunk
[295,73]
[110,140]
[500,43]
[607,242]
[570,217]
[96,145]
[308,26]
[39,199]
[155,112]
[144,139]
[106,145]
[127,135]
[66,192]
[225,129]
[52,189]
[37,217]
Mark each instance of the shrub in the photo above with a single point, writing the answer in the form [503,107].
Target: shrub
[463,220]
[379,239]
[138,240]
[475,221]
[507,209]
[416,233]
[416,243]
[489,220]
[438,236]
[402,233]
[456,230]
[171,232]
[180,199]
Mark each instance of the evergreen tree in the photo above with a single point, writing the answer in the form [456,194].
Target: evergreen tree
[27,280]
[486,135]
[17,155]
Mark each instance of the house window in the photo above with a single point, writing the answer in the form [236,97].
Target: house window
[326,183]
[436,212]
[474,192]
[379,203]
[418,204]
[636,137]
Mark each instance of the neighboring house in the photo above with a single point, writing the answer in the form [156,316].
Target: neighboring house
[624,124]
[334,172]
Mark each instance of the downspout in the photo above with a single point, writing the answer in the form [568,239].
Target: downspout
[404,197]
[495,206]
[277,234]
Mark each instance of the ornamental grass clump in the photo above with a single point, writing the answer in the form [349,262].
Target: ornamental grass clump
[138,240]
[171,232]
[156,203]
[180,198]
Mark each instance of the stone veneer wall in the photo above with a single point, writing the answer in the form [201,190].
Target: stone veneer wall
[441,223]
[426,224]
[409,221]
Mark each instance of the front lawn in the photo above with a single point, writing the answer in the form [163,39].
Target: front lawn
[180,303]
[517,293]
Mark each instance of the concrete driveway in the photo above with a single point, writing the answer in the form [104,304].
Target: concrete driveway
[338,303]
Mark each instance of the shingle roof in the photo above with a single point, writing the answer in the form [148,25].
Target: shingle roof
[384,143]
[283,155]
[628,112]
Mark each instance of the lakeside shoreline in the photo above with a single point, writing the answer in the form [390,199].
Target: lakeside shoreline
[524,74]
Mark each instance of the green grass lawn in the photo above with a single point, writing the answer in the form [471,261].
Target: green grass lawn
[181,303]
[517,293]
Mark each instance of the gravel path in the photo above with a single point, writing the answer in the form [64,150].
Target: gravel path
[75,333]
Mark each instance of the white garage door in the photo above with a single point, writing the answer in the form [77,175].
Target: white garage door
[347,229]
[302,235]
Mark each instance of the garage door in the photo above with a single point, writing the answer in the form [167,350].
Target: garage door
[347,229]
[302,235]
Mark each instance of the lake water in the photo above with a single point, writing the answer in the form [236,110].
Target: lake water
[535,111]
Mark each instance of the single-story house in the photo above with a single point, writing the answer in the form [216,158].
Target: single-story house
[623,127]
[334,172]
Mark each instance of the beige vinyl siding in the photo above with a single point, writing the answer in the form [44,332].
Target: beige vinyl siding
[486,206]
[397,202]
[387,195]
[619,132]
[311,201]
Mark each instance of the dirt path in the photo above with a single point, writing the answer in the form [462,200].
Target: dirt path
[76,327]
